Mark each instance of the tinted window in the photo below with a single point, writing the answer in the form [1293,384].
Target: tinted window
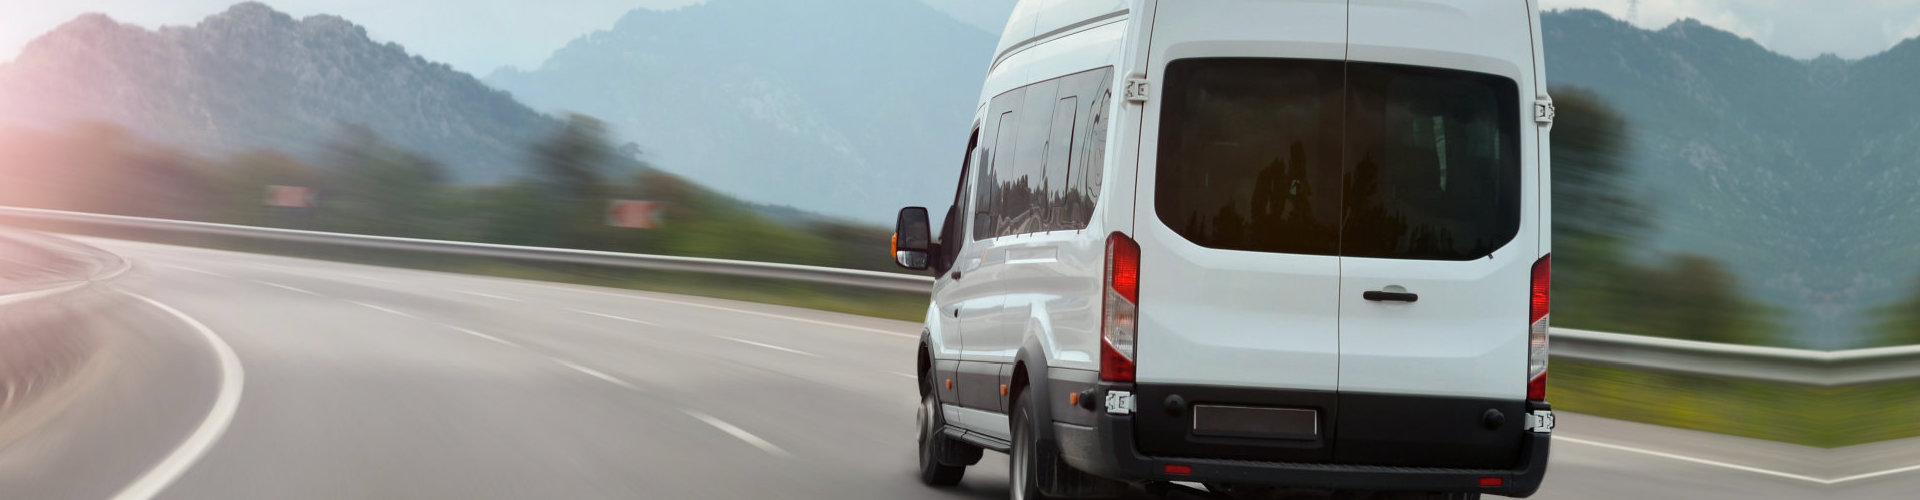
[1059,162]
[997,160]
[1250,154]
[1334,158]
[1039,136]
[1092,162]
[950,235]
[1023,204]
[1433,162]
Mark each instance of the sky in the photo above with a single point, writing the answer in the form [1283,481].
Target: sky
[485,35]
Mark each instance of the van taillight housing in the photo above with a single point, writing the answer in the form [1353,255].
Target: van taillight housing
[1119,309]
[1539,306]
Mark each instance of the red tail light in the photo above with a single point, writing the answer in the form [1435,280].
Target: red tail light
[1539,309]
[1119,309]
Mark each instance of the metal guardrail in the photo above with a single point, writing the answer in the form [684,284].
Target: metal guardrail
[813,274]
[1774,364]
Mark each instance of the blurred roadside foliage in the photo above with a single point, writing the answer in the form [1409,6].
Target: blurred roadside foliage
[1602,278]
[365,184]
[1900,321]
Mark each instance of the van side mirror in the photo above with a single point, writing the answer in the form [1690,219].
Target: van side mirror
[912,239]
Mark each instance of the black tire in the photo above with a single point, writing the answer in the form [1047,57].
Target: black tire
[1021,467]
[934,444]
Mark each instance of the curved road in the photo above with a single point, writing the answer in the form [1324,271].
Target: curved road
[352,381]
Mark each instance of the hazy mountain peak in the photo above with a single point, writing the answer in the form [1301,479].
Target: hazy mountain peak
[254,77]
[853,108]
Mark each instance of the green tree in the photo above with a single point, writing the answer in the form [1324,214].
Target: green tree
[376,187]
[569,174]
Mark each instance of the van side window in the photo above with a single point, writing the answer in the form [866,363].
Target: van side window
[1041,170]
[997,163]
[1053,187]
[1022,202]
[1091,151]
[950,235]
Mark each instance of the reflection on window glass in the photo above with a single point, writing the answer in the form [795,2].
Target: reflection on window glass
[1430,176]
[1333,158]
[1022,205]
[1059,164]
[1041,171]
[1093,153]
[1249,154]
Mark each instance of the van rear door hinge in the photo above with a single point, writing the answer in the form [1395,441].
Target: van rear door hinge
[1137,89]
[1543,111]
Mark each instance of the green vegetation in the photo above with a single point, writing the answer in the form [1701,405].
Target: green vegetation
[366,185]
[1827,417]
[1599,282]
[1899,322]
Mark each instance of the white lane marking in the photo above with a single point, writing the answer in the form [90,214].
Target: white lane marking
[594,373]
[1702,461]
[498,340]
[197,270]
[769,346]
[225,403]
[610,316]
[370,278]
[383,309]
[740,434]
[286,287]
[737,310]
[907,375]
[1887,472]
[489,295]
[36,294]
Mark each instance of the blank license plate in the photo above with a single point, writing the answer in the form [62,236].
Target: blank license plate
[1247,421]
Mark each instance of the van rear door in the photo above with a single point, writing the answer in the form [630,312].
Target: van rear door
[1441,200]
[1239,196]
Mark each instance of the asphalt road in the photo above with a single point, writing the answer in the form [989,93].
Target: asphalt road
[351,381]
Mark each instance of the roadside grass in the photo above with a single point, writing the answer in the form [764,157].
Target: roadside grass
[1826,417]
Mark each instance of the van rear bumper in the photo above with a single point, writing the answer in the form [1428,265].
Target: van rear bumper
[1108,448]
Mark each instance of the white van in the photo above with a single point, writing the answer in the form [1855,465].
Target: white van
[1259,245]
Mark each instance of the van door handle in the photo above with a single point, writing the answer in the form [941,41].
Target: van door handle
[956,274]
[1380,296]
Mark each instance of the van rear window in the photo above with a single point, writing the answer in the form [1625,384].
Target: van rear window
[1335,158]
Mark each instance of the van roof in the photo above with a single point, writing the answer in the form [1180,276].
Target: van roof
[1033,19]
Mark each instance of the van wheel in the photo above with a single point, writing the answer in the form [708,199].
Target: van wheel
[1021,459]
[937,451]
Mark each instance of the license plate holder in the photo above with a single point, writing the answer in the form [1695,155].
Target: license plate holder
[1256,422]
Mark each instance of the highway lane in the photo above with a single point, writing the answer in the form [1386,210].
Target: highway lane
[370,382]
